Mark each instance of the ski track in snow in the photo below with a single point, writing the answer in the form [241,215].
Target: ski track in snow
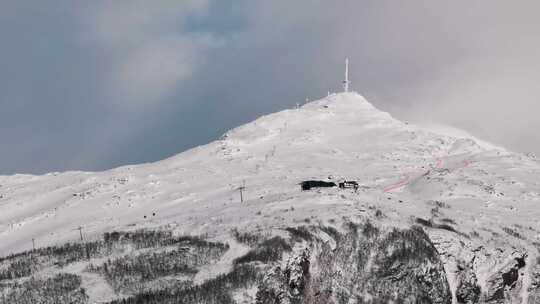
[411,176]
[224,265]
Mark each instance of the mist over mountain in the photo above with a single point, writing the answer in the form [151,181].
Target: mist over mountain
[99,84]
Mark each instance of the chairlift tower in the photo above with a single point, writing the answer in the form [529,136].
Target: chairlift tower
[346,82]
[241,189]
[80,228]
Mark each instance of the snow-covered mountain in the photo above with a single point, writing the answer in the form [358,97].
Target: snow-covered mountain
[478,205]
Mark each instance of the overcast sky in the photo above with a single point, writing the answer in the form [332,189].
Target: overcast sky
[91,85]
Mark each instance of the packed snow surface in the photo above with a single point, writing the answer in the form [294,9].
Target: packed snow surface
[404,171]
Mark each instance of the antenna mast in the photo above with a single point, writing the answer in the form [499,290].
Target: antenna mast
[346,82]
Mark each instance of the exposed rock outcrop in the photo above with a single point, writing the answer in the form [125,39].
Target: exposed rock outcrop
[534,288]
[505,285]
[286,285]
[467,291]
[367,266]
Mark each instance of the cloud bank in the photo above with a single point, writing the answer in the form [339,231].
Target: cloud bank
[94,85]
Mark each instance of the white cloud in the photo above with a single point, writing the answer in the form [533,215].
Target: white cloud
[148,49]
[473,64]
[127,23]
[152,70]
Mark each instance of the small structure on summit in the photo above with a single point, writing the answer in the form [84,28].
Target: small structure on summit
[346,82]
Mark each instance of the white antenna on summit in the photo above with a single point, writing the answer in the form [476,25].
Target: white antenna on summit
[346,82]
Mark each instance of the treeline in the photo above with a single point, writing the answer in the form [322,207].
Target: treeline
[214,291]
[62,288]
[159,271]
[129,273]
[19,268]
[145,238]
[29,262]
[247,271]
[60,251]
[268,251]
[248,238]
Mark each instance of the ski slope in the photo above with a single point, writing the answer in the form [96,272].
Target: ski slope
[404,171]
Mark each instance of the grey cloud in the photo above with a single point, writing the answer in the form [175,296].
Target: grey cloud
[97,84]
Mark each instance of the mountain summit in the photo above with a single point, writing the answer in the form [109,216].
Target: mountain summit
[420,217]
